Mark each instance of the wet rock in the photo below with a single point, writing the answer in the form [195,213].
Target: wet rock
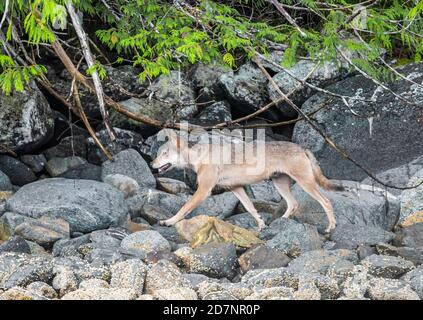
[217,260]
[164,275]
[18,173]
[26,120]
[387,266]
[262,257]
[87,205]
[351,236]
[390,289]
[129,274]
[130,163]
[293,238]
[143,242]
[128,186]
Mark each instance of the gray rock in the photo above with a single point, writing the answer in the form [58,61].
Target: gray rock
[18,173]
[324,74]
[335,264]
[262,257]
[247,90]
[72,146]
[358,206]
[5,184]
[104,256]
[81,269]
[86,171]
[213,290]
[18,293]
[399,176]
[65,247]
[265,190]
[380,139]
[293,238]
[247,221]
[143,242]
[65,281]
[363,251]
[18,269]
[218,112]
[15,244]
[124,139]
[218,260]
[164,275]
[128,186]
[415,279]
[35,162]
[390,289]
[26,120]
[412,199]
[45,230]
[118,80]
[387,266]
[43,289]
[414,255]
[129,274]
[130,163]
[350,236]
[101,294]
[275,293]
[206,75]
[268,278]
[172,186]
[87,205]
[57,166]
[12,220]
[411,236]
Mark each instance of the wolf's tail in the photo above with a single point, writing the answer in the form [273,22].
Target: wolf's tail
[324,182]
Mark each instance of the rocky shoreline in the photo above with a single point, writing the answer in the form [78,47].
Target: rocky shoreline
[74,225]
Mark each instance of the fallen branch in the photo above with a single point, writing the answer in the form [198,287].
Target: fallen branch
[327,139]
[281,9]
[83,39]
[6,149]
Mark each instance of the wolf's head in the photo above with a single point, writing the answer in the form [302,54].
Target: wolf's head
[171,154]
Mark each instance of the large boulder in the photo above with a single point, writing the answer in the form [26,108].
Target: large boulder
[26,120]
[18,173]
[385,135]
[130,163]
[359,205]
[323,75]
[86,204]
[171,98]
[119,81]
[246,90]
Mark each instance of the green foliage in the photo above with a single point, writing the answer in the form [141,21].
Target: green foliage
[160,35]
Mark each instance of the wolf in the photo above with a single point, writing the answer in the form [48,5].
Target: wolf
[279,161]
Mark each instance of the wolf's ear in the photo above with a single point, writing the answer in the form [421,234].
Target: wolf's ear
[175,139]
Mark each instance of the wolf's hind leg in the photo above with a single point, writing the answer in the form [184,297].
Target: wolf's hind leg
[248,205]
[283,185]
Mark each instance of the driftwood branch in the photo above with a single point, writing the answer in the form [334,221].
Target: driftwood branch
[83,39]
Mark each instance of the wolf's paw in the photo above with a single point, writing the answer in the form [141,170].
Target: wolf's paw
[330,227]
[168,222]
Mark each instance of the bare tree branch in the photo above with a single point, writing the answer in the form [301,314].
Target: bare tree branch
[83,39]
[5,13]
[281,9]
